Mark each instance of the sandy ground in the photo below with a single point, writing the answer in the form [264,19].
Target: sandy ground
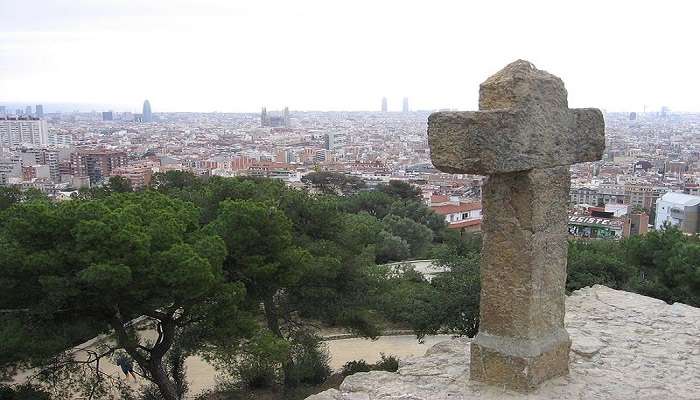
[202,375]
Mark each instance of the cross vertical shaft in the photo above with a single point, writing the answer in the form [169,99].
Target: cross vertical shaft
[522,340]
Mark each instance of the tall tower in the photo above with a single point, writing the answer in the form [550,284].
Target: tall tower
[405,104]
[263,117]
[384,105]
[329,141]
[286,117]
[39,110]
[147,114]
[28,110]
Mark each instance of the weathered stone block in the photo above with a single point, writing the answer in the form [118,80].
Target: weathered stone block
[518,364]
[523,264]
[496,141]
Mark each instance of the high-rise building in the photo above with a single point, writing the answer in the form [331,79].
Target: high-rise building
[16,131]
[329,141]
[263,117]
[2,110]
[39,110]
[286,117]
[384,105]
[107,116]
[28,110]
[147,114]
[405,104]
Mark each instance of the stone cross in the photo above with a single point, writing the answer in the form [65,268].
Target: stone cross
[524,138]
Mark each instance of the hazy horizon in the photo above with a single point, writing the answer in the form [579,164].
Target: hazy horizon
[341,56]
[88,108]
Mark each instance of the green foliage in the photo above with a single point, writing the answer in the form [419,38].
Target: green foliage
[309,360]
[115,184]
[168,181]
[375,203]
[449,303]
[389,363]
[9,196]
[86,266]
[257,364]
[355,366]
[23,392]
[418,237]
[598,262]
[119,184]
[401,190]
[669,265]
[333,182]
[261,251]
[391,248]
[664,264]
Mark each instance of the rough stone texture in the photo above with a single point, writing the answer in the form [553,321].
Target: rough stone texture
[525,137]
[524,123]
[625,346]
[521,337]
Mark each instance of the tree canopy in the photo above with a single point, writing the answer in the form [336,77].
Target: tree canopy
[79,268]
[242,270]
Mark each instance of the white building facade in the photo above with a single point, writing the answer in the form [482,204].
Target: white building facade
[680,210]
[17,131]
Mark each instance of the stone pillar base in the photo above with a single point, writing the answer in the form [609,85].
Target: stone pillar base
[519,364]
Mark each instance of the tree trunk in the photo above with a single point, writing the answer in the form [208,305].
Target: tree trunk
[274,326]
[154,362]
[160,378]
[273,323]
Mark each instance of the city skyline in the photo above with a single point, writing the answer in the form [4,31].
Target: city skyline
[638,53]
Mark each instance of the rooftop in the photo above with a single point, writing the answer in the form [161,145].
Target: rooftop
[454,208]
[681,198]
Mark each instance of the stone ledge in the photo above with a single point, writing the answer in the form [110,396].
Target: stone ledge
[625,346]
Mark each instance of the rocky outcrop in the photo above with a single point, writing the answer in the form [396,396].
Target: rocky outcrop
[624,346]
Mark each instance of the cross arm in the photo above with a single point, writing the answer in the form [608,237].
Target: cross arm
[501,141]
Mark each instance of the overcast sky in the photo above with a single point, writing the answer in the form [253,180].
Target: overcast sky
[237,55]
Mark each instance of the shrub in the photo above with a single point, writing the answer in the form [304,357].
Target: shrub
[387,363]
[310,361]
[257,374]
[355,366]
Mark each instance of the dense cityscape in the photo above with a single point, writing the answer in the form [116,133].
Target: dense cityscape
[649,175]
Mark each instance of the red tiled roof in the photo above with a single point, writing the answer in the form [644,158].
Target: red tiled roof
[439,198]
[451,208]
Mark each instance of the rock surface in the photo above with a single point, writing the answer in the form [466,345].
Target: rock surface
[625,346]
